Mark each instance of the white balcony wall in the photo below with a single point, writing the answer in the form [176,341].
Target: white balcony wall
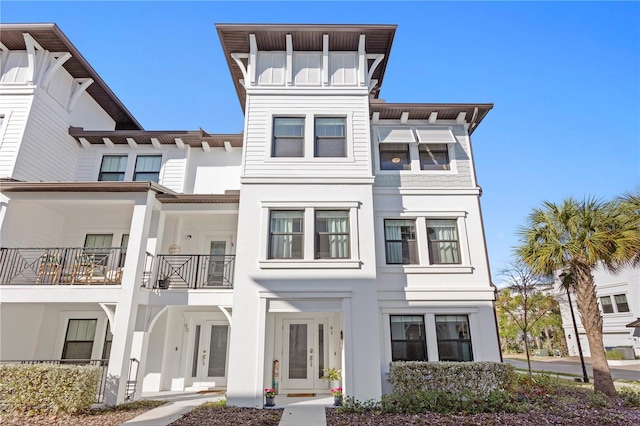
[213,172]
[193,232]
[15,111]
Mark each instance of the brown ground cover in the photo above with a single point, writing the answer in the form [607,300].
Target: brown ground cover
[217,415]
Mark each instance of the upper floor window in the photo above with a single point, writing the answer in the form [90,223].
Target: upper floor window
[442,235]
[400,241]
[454,338]
[113,168]
[286,234]
[434,156]
[408,340]
[332,234]
[288,137]
[607,305]
[621,302]
[394,156]
[330,137]
[147,168]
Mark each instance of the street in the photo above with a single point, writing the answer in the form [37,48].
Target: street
[571,366]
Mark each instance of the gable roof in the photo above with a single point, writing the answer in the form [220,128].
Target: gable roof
[51,38]
[305,37]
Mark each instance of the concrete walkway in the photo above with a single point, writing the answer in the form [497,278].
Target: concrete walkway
[297,411]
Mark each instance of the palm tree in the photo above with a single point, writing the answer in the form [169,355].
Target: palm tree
[580,236]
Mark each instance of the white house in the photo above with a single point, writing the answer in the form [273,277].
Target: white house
[619,301]
[337,230]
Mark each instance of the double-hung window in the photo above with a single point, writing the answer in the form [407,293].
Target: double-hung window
[330,137]
[400,241]
[147,168]
[78,342]
[288,137]
[286,234]
[113,168]
[332,234]
[607,305]
[408,340]
[442,236]
[454,338]
[621,302]
[434,156]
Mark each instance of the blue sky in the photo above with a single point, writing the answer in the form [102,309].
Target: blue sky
[564,78]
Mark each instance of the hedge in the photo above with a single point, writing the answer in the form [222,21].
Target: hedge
[49,387]
[458,378]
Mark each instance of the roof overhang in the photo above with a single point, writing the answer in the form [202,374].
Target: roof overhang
[305,37]
[195,139]
[634,324]
[472,113]
[15,186]
[232,197]
[51,38]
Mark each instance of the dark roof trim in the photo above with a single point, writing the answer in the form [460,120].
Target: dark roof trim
[83,187]
[230,197]
[475,113]
[305,37]
[165,137]
[51,38]
[634,324]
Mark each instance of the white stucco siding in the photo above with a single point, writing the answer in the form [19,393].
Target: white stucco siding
[15,111]
[19,327]
[261,109]
[28,224]
[213,172]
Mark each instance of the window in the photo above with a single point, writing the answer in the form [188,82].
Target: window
[454,338]
[78,342]
[147,168]
[98,240]
[286,235]
[288,137]
[330,137]
[621,302]
[332,234]
[124,243]
[607,306]
[113,168]
[408,341]
[434,156]
[442,235]
[108,339]
[400,241]
[394,156]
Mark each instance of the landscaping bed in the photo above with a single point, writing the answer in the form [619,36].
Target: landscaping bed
[215,414]
[98,417]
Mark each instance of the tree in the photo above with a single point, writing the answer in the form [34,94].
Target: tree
[522,305]
[580,236]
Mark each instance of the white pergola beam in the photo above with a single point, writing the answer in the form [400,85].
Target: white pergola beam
[205,146]
[433,117]
[362,61]
[155,142]
[85,143]
[179,143]
[376,117]
[253,57]
[108,142]
[289,68]
[227,146]
[461,118]
[325,59]
[132,143]
[404,117]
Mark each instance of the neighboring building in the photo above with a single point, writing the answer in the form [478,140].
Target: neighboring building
[336,230]
[619,301]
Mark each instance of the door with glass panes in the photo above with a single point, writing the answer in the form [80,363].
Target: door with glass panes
[305,353]
[209,353]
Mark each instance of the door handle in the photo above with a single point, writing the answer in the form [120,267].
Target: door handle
[204,356]
[310,360]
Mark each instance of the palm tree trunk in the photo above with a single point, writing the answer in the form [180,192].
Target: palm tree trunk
[592,322]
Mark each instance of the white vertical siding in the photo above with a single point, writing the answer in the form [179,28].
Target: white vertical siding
[15,109]
[15,68]
[306,68]
[271,67]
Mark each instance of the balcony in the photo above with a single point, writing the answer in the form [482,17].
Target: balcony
[193,271]
[61,266]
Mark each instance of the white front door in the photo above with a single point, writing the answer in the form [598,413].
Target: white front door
[209,354]
[304,353]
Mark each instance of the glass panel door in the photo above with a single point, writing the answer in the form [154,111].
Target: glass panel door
[298,347]
[215,271]
[217,351]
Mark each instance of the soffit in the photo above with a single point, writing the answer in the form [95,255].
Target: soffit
[164,137]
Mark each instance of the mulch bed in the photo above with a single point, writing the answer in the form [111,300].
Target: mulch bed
[208,415]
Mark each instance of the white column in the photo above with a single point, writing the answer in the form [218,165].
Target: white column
[127,307]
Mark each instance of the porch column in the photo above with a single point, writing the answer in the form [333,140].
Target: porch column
[128,301]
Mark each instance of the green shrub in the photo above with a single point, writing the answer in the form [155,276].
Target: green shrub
[597,399]
[49,387]
[631,396]
[476,378]
[614,354]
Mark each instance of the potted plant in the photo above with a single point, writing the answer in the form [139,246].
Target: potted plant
[333,376]
[270,395]
[163,282]
[337,396]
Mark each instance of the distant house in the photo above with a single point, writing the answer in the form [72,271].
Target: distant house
[619,301]
[337,230]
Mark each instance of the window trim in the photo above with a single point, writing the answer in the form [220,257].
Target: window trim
[625,303]
[415,240]
[317,139]
[293,234]
[610,304]
[456,241]
[318,234]
[459,340]
[423,340]
[124,172]
[101,327]
[273,135]
[135,167]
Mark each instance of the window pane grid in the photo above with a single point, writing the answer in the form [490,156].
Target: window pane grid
[147,168]
[607,305]
[112,168]
[286,235]
[332,234]
[394,156]
[454,338]
[408,340]
[621,302]
[400,241]
[288,137]
[434,157]
[442,235]
[330,137]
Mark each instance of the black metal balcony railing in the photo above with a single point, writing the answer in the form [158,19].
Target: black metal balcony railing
[194,271]
[102,363]
[61,265]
